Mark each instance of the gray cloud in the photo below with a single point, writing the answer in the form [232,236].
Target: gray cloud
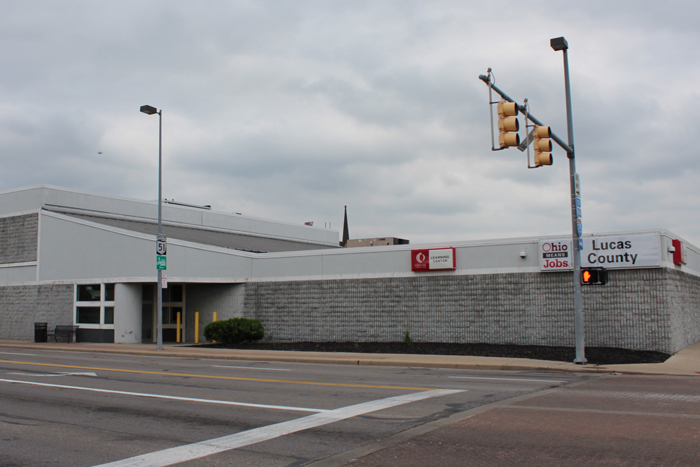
[290,109]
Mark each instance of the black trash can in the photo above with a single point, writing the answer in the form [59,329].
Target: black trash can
[40,332]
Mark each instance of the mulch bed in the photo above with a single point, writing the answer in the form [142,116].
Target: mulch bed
[594,355]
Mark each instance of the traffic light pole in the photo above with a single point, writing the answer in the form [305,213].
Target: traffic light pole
[579,335]
[579,327]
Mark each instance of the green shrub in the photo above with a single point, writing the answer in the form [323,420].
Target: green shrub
[234,331]
[407,338]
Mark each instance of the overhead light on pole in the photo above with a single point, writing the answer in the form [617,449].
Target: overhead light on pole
[160,239]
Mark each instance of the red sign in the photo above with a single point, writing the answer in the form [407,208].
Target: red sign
[678,252]
[433,260]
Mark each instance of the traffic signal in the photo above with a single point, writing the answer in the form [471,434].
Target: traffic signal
[594,276]
[508,125]
[543,146]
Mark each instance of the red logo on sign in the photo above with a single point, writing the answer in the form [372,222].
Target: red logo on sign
[420,260]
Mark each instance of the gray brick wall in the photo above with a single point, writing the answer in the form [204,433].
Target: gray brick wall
[630,312]
[224,299]
[18,238]
[644,309]
[22,306]
[683,292]
[635,310]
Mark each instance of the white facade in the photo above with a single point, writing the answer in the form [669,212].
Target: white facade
[84,238]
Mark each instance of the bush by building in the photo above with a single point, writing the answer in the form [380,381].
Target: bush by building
[234,331]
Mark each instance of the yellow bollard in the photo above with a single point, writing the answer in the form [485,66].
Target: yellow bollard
[196,327]
[214,342]
[177,337]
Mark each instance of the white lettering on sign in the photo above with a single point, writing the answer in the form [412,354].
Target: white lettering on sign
[628,251]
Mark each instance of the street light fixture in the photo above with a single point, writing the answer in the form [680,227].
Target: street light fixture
[559,43]
[149,110]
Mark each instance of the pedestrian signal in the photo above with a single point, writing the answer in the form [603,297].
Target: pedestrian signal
[594,276]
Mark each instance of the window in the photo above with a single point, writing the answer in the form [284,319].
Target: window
[109,315]
[88,315]
[173,293]
[170,314]
[94,306]
[89,293]
[109,292]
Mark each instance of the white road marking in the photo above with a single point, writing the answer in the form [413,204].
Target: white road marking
[32,374]
[509,379]
[15,353]
[176,398]
[61,373]
[251,368]
[77,373]
[257,435]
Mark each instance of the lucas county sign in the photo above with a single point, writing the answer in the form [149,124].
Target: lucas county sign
[610,252]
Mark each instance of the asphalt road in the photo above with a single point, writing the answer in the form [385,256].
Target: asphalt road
[88,409]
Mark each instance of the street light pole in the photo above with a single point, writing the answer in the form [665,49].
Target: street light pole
[147,109]
[559,43]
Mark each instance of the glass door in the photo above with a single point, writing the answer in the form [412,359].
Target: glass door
[173,303]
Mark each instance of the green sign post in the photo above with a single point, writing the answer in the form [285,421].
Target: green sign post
[161,263]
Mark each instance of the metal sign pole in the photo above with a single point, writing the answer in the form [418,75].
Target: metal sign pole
[159,341]
[160,238]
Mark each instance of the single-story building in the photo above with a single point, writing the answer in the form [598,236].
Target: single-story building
[68,257]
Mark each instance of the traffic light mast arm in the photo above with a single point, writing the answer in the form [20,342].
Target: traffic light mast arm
[530,117]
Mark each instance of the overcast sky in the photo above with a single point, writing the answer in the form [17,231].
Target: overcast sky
[287,110]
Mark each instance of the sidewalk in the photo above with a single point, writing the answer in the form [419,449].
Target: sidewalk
[623,420]
[684,363]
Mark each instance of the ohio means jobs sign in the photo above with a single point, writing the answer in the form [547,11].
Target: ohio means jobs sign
[433,260]
[611,252]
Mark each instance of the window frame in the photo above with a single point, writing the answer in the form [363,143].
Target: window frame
[101,304]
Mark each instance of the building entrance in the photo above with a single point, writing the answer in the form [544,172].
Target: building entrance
[173,303]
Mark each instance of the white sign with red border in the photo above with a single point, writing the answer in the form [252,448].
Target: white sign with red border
[438,259]
[611,252]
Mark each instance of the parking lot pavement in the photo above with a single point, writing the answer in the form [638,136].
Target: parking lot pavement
[612,421]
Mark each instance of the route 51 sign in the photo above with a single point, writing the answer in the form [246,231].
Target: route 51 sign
[161,245]
[161,248]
